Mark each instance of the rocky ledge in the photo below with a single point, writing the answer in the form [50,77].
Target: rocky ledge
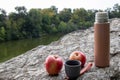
[30,65]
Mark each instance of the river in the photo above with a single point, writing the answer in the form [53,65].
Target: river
[12,49]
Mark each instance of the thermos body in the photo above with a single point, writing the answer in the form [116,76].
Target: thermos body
[101,40]
[101,44]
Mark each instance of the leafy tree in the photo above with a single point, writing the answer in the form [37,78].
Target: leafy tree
[62,27]
[2,17]
[21,10]
[90,15]
[116,10]
[2,34]
[54,9]
[65,15]
[80,14]
[116,7]
[36,22]
[14,23]
[32,26]
[48,15]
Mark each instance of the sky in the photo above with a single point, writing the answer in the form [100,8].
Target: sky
[9,5]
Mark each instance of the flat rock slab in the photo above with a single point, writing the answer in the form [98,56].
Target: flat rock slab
[30,65]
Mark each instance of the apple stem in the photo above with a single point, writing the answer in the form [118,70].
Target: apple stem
[56,56]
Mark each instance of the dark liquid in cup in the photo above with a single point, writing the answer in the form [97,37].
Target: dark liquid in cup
[72,63]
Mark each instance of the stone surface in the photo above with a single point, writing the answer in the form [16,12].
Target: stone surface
[30,65]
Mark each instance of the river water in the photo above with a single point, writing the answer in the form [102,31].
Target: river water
[12,49]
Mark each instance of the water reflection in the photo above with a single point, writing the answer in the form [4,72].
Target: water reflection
[14,48]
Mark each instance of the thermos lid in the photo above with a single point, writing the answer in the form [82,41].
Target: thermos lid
[101,17]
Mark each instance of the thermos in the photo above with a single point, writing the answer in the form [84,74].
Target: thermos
[101,39]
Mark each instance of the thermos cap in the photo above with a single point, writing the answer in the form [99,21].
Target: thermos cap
[101,17]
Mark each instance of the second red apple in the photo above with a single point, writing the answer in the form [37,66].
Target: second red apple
[77,55]
[53,64]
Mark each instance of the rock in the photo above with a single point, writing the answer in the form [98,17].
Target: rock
[30,65]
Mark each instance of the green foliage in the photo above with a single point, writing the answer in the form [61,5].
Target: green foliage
[80,13]
[65,14]
[62,27]
[114,12]
[37,22]
[32,26]
[2,34]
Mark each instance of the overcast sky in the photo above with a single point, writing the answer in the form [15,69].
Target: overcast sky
[9,5]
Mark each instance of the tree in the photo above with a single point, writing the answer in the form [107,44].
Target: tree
[32,26]
[2,33]
[116,7]
[62,27]
[109,12]
[65,15]
[90,15]
[116,10]
[22,24]
[80,13]
[54,9]
[55,18]
[15,22]
[21,10]
[47,19]
[3,17]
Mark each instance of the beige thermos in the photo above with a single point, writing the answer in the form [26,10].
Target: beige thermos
[101,39]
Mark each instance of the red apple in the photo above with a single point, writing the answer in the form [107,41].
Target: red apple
[77,55]
[53,64]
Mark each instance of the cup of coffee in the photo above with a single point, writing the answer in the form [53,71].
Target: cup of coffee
[72,69]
